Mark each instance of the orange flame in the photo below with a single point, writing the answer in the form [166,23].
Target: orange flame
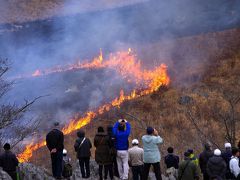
[128,67]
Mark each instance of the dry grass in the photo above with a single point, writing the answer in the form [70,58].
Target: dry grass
[162,109]
[16,11]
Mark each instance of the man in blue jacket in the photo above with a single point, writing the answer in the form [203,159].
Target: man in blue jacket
[122,130]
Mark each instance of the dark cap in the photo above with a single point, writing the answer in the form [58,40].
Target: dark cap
[150,130]
[190,151]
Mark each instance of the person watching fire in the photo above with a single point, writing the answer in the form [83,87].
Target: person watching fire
[9,161]
[55,144]
[122,130]
[151,155]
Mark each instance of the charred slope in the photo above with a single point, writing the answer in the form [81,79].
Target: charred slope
[166,109]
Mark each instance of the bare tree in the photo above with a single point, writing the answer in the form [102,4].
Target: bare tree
[10,113]
[220,110]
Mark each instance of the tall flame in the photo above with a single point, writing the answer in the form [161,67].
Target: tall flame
[126,64]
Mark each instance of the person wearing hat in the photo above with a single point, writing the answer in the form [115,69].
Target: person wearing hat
[103,156]
[121,131]
[9,161]
[55,144]
[135,160]
[187,169]
[203,160]
[193,157]
[151,155]
[226,155]
[67,167]
[234,164]
[216,166]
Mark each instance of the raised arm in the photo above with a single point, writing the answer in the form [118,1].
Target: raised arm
[128,128]
[158,140]
[115,128]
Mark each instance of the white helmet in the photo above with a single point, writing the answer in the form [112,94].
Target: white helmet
[64,151]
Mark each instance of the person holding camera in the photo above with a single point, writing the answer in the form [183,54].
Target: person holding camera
[122,130]
[151,155]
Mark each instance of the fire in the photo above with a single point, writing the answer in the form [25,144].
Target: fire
[127,65]
[37,73]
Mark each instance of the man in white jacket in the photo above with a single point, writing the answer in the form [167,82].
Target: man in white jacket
[234,163]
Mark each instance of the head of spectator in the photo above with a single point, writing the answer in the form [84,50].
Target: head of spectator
[187,155]
[170,150]
[56,125]
[81,134]
[150,130]
[64,152]
[100,129]
[207,146]
[6,147]
[227,146]
[217,152]
[121,127]
[135,142]
[190,151]
[235,152]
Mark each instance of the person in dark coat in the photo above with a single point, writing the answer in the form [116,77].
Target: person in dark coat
[114,151]
[9,161]
[102,153]
[82,146]
[203,160]
[55,144]
[216,166]
[188,169]
[226,155]
[171,160]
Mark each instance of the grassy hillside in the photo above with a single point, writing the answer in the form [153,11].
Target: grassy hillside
[202,90]
[16,11]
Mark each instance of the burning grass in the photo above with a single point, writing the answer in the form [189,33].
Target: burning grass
[127,66]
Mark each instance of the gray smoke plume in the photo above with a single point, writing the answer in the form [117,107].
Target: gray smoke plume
[153,28]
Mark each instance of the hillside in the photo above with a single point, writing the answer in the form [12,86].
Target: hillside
[17,11]
[192,109]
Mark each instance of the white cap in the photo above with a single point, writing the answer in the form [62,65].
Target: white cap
[227,145]
[135,141]
[64,151]
[217,152]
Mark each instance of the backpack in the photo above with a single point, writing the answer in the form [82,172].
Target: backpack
[67,170]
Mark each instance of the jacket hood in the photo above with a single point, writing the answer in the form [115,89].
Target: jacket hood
[147,138]
[216,160]
[80,134]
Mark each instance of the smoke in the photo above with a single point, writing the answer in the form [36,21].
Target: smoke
[153,28]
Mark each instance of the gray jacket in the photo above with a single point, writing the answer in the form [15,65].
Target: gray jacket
[135,155]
